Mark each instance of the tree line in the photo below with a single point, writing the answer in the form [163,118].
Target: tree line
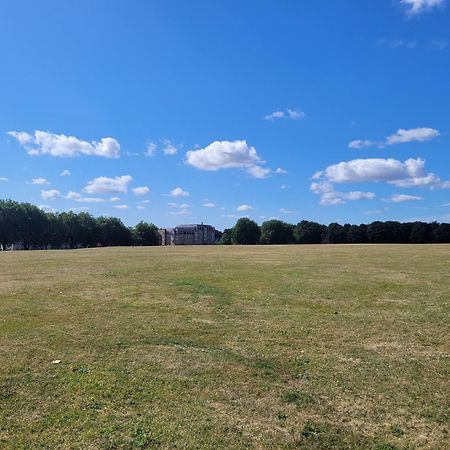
[248,232]
[30,227]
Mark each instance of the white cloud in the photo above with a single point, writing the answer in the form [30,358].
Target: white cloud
[275,115]
[178,192]
[4,179]
[47,208]
[286,211]
[143,190]
[362,143]
[288,113]
[228,155]
[415,7]
[244,207]
[79,198]
[415,134]
[140,207]
[105,185]
[398,198]
[181,212]
[151,149]
[65,173]
[410,173]
[45,143]
[169,149]
[280,171]
[295,114]
[209,205]
[121,206]
[144,202]
[259,172]
[114,199]
[284,186]
[39,181]
[50,194]
[401,136]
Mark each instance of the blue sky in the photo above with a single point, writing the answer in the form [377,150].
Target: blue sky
[175,111]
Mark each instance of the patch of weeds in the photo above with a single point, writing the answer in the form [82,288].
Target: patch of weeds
[396,431]
[81,370]
[298,398]
[385,446]
[312,429]
[265,366]
[282,416]
[141,440]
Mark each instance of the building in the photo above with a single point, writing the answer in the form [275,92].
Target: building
[189,234]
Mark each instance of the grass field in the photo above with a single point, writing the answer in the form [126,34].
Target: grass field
[282,347]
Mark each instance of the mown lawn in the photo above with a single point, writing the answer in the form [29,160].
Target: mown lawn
[283,347]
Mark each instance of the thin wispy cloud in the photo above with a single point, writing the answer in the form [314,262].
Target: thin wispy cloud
[244,207]
[401,136]
[400,198]
[417,7]
[293,114]
[151,149]
[39,181]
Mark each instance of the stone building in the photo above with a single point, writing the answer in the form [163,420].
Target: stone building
[189,234]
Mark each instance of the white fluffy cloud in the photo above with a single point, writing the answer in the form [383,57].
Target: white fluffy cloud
[228,155]
[121,206]
[65,173]
[143,190]
[410,173]
[106,186]
[39,181]
[401,136]
[398,198]
[45,143]
[209,205]
[280,171]
[50,194]
[244,207]
[415,7]
[178,192]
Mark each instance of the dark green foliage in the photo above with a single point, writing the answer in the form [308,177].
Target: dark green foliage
[277,232]
[246,232]
[146,234]
[334,234]
[227,236]
[306,232]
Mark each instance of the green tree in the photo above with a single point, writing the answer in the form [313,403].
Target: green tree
[146,234]
[227,236]
[306,232]
[246,232]
[277,232]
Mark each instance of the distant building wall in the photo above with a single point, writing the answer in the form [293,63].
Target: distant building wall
[191,234]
